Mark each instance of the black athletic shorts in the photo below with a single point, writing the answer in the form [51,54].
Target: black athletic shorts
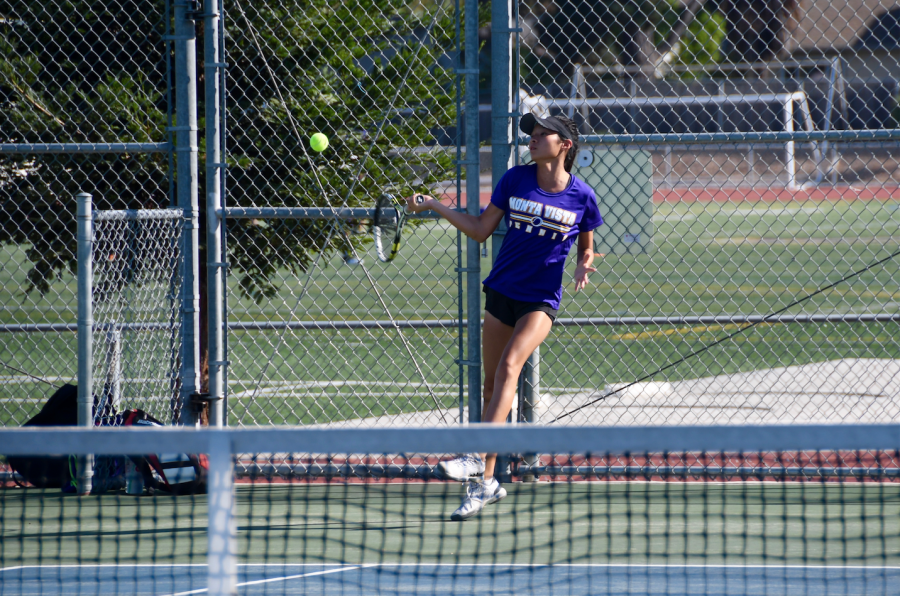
[508,310]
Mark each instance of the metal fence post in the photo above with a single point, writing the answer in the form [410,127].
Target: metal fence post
[531,396]
[186,149]
[213,65]
[503,106]
[85,466]
[503,102]
[790,162]
[473,207]
[531,388]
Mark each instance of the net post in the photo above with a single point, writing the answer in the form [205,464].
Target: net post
[84,463]
[222,534]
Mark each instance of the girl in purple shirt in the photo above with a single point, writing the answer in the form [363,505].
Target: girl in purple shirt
[547,209]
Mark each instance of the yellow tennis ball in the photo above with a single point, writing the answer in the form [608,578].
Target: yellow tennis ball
[318,142]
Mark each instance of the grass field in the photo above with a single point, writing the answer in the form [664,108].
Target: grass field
[707,259]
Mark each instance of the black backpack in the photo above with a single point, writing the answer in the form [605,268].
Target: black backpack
[173,473]
[50,471]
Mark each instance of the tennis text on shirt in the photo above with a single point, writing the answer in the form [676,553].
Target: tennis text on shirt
[542,227]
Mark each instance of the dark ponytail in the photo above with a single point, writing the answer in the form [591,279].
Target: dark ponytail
[573,152]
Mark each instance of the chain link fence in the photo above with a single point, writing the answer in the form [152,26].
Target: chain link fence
[84,107]
[744,156]
[718,215]
[322,331]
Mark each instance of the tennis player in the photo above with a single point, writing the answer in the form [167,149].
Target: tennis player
[547,209]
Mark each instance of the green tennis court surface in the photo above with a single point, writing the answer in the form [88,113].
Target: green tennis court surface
[394,538]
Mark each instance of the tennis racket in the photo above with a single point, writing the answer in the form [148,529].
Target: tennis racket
[387,224]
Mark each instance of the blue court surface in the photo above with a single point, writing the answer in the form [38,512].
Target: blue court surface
[486,579]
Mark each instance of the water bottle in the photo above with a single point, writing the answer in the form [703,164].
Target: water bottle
[134,480]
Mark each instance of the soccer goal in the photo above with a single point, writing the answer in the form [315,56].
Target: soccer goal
[795,103]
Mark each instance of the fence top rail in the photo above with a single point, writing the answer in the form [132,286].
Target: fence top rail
[728,138]
[138,214]
[709,68]
[451,323]
[85,147]
[676,100]
[309,213]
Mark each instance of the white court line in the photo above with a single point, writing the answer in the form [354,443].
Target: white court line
[523,565]
[586,565]
[280,579]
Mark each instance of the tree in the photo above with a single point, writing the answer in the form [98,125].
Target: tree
[71,71]
[383,75]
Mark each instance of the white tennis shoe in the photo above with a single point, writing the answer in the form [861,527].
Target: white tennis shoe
[478,494]
[467,465]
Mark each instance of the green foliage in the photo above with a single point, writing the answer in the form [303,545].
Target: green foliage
[702,41]
[606,30]
[70,73]
[73,71]
[355,71]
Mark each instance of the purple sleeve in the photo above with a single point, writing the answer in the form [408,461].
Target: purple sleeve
[500,196]
[591,218]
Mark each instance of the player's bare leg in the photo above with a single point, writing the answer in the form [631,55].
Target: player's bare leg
[504,355]
[495,335]
[504,351]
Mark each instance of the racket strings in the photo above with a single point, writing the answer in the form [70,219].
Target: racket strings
[386,226]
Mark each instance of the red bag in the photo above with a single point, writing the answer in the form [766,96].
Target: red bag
[176,473]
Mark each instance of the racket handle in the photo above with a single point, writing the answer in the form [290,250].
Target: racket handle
[419,199]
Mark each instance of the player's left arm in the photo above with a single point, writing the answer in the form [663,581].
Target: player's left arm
[585,258]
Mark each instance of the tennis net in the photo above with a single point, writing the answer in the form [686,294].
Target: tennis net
[662,510]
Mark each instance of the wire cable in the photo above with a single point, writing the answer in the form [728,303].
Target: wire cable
[727,337]
[18,370]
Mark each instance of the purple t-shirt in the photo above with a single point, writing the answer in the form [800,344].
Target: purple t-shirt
[542,228]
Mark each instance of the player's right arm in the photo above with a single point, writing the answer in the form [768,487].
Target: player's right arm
[477,227]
